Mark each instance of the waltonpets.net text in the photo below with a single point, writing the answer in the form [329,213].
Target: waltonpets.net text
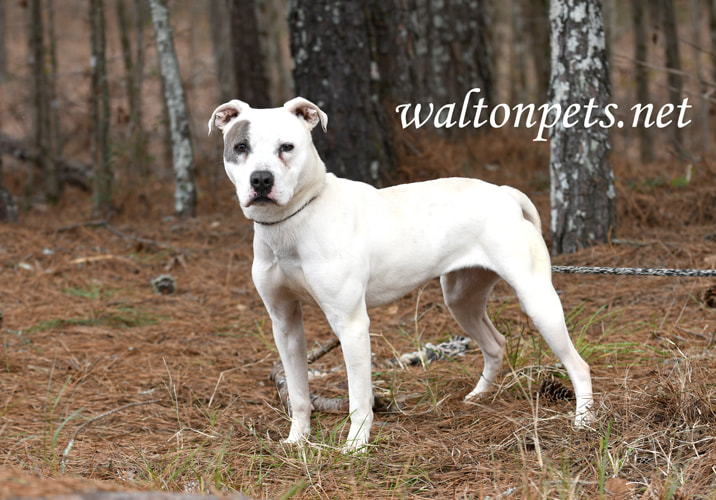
[544,117]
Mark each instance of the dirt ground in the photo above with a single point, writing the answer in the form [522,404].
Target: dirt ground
[107,385]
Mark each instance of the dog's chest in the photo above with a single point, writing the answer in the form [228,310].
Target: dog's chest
[285,270]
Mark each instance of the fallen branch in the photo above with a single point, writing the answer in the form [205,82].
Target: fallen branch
[428,354]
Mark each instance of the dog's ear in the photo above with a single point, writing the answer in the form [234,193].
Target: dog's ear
[307,111]
[223,115]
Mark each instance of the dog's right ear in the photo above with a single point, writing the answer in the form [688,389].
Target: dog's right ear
[307,111]
[223,115]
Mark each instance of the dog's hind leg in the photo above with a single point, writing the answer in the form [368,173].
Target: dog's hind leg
[466,292]
[540,301]
[531,279]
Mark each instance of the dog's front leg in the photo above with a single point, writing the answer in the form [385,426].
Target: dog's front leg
[288,333]
[352,330]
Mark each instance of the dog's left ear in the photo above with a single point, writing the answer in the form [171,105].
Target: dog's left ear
[307,111]
[223,115]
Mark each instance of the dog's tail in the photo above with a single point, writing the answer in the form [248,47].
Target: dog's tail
[529,211]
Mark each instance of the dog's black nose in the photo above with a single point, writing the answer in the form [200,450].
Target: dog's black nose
[262,182]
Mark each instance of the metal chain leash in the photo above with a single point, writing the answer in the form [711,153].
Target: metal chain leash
[636,271]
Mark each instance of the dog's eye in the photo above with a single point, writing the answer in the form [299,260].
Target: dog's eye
[286,147]
[241,147]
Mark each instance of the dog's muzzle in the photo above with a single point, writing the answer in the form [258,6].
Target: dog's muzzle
[262,182]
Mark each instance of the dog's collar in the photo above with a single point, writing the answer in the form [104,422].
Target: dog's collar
[286,218]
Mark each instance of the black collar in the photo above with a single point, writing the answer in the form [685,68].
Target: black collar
[286,218]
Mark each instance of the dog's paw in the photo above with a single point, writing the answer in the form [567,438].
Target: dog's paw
[475,396]
[584,419]
[300,442]
[354,448]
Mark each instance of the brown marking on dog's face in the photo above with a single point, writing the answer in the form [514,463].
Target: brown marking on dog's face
[237,142]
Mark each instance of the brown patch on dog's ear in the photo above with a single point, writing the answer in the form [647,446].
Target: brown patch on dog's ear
[223,115]
[308,112]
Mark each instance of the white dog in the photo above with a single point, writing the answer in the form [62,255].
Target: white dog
[347,246]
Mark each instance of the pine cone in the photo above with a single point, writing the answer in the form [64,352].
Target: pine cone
[554,390]
[709,296]
[164,284]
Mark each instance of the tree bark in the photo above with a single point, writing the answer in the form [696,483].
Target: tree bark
[182,152]
[3,45]
[249,63]
[673,62]
[8,208]
[223,58]
[274,36]
[100,113]
[703,103]
[133,67]
[582,182]
[333,67]
[537,21]
[41,108]
[641,76]
[430,50]
[711,6]
[518,75]
[53,100]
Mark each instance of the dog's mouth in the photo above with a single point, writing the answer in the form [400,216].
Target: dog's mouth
[262,200]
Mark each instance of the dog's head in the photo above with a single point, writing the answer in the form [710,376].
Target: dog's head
[269,155]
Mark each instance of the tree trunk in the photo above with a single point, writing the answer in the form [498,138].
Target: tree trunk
[431,51]
[703,103]
[274,35]
[100,113]
[223,56]
[3,45]
[711,4]
[331,48]
[53,100]
[582,182]
[41,108]
[518,75]
[673,62]
[8,208]
[249,62]
[133,70]
[537,21]
[182,152]
[641,76]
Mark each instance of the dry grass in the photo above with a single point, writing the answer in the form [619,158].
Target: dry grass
[83,336]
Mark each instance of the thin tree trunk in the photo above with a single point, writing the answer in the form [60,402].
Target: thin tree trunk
[518,77]
[249,62]
[100,113]
[182,152]
[223,58]
[711,4]
[641,75]
[274,34]
[673,62]
[8,208]
[3,45]
[537,21]
[582,182]
[41,107]
[703,103]
[54,102]
[133,71]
